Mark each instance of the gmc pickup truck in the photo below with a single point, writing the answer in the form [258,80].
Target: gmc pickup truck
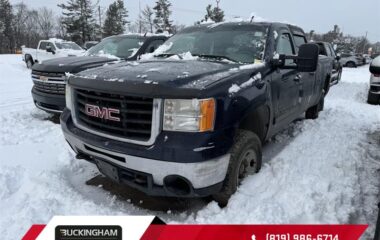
[191,121]
[49,77]
[48,49]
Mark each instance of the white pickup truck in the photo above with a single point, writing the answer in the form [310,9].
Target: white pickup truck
[48,49]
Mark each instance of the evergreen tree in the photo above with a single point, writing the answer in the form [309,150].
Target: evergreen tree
[215,14]
[147,18]
[78,19]
[115,19]
[162,20]
[6,30]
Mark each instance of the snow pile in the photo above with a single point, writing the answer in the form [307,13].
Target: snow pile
[315,171]
[160,50]
[235,88]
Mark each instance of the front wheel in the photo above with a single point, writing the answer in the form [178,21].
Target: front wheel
[373,98]
[245,158]
[29,63]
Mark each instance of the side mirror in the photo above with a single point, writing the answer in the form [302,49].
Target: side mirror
[49,49]
[307,60]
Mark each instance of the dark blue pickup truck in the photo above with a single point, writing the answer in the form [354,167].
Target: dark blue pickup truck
[191,121]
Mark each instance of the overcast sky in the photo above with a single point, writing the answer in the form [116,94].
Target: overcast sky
[354,17]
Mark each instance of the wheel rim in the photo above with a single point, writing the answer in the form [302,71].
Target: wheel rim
[248,157]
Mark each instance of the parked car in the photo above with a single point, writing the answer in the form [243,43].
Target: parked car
[374,88]
[89,44]
[326,49]
[350,60]
[48,49]
[191,122]
[49,77]
[361,58]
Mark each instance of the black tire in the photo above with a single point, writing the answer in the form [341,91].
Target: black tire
[339,76]
[313,112]
[246,156]
[373,98]
[351,65]
[29,62]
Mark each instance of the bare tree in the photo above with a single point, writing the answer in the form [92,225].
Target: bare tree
[45,22]
[60,28]
[147,18]
[20,18]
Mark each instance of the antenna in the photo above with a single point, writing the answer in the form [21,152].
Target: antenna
[252,18]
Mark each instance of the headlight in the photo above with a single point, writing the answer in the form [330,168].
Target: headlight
[189,115]
[68,96]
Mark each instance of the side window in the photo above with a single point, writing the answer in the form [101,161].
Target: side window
[298,41]
[43,45]
[153,46]
[51,45]
[285,46]
[332,51]
[328,51]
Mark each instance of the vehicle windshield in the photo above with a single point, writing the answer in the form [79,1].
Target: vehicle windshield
[238,43]
[68,45]
[122,47]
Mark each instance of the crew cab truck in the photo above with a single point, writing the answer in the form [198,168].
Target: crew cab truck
[48,49]
[49,77]
[326,49]
[191,121]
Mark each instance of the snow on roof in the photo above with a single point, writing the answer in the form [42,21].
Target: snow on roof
[58,40]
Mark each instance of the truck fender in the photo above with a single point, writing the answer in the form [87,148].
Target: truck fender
[257,120]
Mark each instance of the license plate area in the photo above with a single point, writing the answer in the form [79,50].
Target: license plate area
[108,170]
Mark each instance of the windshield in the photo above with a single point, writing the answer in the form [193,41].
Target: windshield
[68,45]
[122,47]
[239,43]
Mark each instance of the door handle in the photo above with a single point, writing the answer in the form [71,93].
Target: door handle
[297,78]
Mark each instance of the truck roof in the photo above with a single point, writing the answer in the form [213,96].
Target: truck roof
[293,28]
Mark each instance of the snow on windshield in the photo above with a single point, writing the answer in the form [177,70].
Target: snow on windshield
[117,47]
[68,45]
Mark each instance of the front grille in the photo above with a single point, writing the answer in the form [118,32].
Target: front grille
[53,88]
[135,114]
[375,88]
[49,74]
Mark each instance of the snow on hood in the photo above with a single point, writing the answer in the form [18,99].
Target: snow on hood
[237,88]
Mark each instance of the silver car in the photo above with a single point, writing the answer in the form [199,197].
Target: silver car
[350,60]
[374,89]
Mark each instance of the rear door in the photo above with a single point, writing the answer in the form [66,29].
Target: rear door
[285,82]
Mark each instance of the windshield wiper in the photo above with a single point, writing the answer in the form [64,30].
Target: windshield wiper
[217,57]
[168,55]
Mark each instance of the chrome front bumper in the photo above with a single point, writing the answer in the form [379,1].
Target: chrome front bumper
[200,175]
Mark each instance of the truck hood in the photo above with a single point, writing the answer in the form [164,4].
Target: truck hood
[71,64]
[158,76]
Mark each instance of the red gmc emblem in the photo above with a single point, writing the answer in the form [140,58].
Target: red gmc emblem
[103,113]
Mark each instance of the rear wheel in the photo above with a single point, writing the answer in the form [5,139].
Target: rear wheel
[245,158]
[351,65]
[313,112]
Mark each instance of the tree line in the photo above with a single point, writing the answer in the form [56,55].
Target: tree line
[83,20]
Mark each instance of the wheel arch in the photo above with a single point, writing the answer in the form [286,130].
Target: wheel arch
[257,120]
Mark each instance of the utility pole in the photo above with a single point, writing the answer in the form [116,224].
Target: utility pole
[100,21]
[139,16]
[365,42]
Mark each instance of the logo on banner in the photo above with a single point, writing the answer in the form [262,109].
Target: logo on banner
[88,232]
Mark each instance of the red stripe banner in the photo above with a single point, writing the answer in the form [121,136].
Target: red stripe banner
[254,232]
[33,232]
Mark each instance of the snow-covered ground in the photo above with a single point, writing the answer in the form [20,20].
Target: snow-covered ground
[322,171]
